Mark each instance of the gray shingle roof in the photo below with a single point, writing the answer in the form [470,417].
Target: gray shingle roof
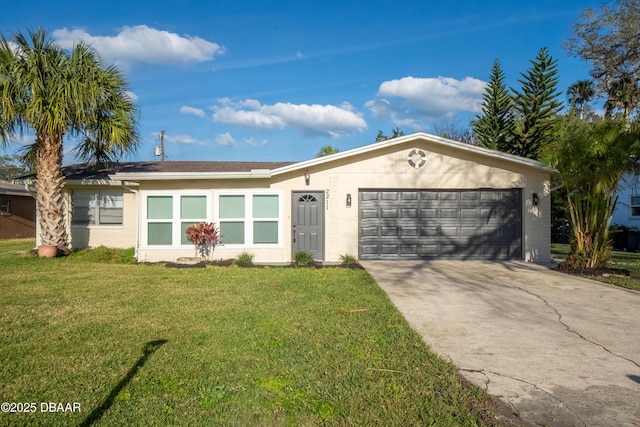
[9,189]
[90,171]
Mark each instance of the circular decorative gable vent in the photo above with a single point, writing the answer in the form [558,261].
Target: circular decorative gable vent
[417,158]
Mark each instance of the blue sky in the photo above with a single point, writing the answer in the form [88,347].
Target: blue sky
[278,80]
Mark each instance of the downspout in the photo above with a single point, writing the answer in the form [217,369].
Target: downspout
[137,226]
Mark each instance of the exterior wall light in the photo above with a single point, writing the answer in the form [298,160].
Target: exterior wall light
[348,200]
[307,177]
[534,199]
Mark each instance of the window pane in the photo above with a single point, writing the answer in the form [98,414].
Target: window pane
[231,206]
[82,215]
[159,233]
[83,198]
[110,216]
[232,232]
[635,200]
[265,206]
[159,207]
[4,206]
[184,239]
[193,207]
[110,199]
[635,211]
[265,232]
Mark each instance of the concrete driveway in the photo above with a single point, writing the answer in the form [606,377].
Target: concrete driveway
[559,350]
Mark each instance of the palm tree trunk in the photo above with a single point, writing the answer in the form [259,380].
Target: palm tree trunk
[49,183]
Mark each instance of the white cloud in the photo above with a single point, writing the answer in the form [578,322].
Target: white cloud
[132,95]
[225,139]
[184,139]
[252,141]
[191,110]
[410,100]
[310,120]
[143,44]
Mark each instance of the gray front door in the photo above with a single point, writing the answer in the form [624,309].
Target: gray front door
[307,219]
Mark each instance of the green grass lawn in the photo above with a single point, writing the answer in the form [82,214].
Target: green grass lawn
[150,345]
[621,260]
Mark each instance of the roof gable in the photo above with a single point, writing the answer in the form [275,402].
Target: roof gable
[419,136]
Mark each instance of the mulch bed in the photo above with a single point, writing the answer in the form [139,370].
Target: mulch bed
[605,272]
[231,262]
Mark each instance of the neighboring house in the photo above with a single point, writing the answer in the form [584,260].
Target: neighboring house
[417,196]
[627,210]
[17,211]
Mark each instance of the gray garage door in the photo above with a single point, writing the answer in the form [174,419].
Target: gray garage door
[443,224]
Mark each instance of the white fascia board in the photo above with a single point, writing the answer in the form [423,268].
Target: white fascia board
[420,136]
[174,176]
[103,182]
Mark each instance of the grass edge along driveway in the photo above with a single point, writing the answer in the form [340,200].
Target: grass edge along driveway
[146,344]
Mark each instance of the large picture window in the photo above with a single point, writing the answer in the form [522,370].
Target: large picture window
[168,217]
[97,207]
[249,219]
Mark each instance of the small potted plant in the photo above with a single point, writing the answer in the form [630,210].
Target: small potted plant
[205,237]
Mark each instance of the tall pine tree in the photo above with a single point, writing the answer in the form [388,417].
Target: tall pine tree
[494,128]
[537,107]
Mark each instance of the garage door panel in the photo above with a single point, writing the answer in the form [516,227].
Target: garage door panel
[389,232]
[409,195]
[448,231]
[368,213]
[389,213]
[429,250]
[389,249]
[411,213]
[450,224]
[409,232]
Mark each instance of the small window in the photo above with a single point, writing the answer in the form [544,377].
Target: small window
[97,207]
[5,206]
[635,205]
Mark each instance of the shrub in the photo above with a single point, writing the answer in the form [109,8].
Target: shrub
[105,255]
[205,237]
[348,259]
[245,259]
[303,259]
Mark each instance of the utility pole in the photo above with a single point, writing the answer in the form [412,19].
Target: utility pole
[160,149]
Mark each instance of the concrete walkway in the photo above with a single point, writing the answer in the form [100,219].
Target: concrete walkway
[559,350]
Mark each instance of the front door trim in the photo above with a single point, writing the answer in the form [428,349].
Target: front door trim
[307,223]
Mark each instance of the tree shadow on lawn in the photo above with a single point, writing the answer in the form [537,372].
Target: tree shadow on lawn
[148,349]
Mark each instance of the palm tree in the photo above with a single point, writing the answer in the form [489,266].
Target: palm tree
[55,92]
[327,150]
[592,157]
[580,94]
[623,94]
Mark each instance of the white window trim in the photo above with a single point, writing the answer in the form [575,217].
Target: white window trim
[631,206]
[249,220]
[97,226]
[176,221]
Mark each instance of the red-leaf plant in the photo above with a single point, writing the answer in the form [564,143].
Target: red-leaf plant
[205,237]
